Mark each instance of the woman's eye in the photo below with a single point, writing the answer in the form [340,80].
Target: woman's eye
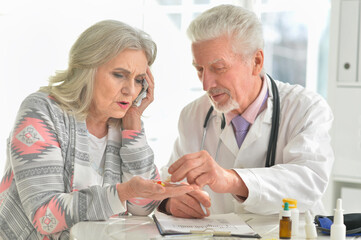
[139,81]
[118,75]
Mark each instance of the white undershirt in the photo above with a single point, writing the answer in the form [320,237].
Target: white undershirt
[92,174]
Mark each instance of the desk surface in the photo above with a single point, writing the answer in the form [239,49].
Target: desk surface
[134,228]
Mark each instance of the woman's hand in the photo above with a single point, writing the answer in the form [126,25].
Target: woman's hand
[140,187]
[131,120]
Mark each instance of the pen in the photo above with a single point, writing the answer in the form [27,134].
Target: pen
[204,209]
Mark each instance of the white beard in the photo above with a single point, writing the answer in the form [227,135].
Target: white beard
[230,105]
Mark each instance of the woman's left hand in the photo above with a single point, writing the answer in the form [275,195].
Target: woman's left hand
[131,120]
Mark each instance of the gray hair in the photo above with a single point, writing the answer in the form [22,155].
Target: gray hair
[73,88]
[241,25]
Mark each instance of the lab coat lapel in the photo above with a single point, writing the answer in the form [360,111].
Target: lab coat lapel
[260,126]
[229,140]
[262,123]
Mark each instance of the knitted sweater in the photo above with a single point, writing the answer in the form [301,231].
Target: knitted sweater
[37,199]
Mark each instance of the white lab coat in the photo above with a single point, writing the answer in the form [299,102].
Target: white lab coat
[304,156]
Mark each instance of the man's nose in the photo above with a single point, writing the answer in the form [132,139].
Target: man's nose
[208,80]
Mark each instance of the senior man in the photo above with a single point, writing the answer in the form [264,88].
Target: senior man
[264,141]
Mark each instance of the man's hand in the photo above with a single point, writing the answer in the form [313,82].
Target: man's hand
[201,169]
[189,205]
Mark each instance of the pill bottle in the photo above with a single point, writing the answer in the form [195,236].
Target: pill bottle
[295,214]
[285,223]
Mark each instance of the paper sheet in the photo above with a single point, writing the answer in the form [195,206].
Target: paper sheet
[222,223]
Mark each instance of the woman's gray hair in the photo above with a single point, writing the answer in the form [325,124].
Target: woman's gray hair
[241,25]
[73,88]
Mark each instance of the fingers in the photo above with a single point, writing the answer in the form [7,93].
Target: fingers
[206,178]
[152,190]
[142,187]
[196,174]
[199,168]
[185,165]
[173,191]
[179,209]
[149,186]
[150,91]
[149,98]
[202,197]
[150,77]
[187,206]
[179,163]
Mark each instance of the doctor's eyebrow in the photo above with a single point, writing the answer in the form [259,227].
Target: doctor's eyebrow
[210,63]
[216,60]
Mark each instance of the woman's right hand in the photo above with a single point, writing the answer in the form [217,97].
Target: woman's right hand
[140,187]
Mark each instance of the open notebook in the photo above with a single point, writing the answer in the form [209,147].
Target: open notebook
[218,225]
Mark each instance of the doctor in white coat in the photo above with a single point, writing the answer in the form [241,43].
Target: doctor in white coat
[227,47]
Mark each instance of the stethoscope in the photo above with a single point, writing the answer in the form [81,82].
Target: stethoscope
[272,144]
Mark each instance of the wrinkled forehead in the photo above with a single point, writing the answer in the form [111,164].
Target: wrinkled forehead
[212,51]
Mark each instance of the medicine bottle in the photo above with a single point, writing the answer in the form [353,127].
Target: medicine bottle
[286,223]
[338,228]
[295,214]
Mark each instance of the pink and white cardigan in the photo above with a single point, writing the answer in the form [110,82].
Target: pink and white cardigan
[37,199]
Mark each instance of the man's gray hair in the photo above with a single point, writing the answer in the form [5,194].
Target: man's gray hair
[73,88]
[241,25]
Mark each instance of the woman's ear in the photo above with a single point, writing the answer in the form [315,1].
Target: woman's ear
[258,62]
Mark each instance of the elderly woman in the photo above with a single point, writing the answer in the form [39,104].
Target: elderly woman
[78,151]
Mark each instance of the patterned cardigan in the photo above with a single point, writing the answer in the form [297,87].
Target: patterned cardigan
[37,199]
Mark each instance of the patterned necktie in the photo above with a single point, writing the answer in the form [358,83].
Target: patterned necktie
[240,126]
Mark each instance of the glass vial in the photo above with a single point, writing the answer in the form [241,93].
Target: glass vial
[295,214]
[286,223]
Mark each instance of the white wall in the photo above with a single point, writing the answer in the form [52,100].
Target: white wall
[35,40]
[36,37]
[344,98]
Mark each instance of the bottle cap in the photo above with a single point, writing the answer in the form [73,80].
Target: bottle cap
[338,218]
[310,227]
[286,211]
[292,203]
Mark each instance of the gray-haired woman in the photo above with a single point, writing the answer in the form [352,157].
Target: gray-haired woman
[78,151]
